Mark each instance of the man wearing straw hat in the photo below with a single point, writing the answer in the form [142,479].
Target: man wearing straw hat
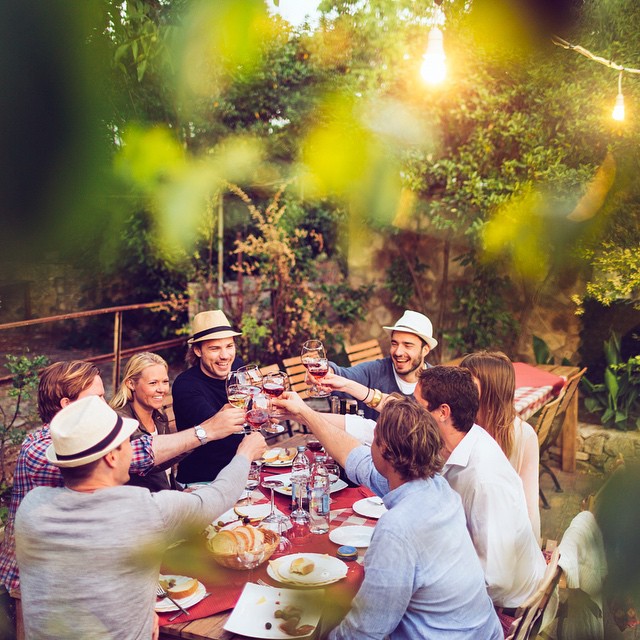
[89,553]
[200,392]
[411,341]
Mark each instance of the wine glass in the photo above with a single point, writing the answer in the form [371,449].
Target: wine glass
[276,521]
[252,377]
[258,414]
[315,446]
[253,480]
[314,358]
[300,520]
[238,392]
[274,385]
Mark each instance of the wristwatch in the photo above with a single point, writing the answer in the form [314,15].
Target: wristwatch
[201,434]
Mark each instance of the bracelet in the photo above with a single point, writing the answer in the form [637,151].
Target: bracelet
[367,396]
[376,400]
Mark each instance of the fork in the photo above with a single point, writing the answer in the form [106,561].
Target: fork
[161,593]
[179,613]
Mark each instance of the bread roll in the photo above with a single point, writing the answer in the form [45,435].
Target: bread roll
[287,454]
[184,589]
[238,540]
[302,566]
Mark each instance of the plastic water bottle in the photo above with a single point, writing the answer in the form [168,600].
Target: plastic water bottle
[300,473]
[319,490]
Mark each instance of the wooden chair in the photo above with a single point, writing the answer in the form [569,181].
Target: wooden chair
[555,428]
[529,616]
[297,373]
[543,428]
[270,368]
[364,352]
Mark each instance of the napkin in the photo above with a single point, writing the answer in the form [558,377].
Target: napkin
[219,600]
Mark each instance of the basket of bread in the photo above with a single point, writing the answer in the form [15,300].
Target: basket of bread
[243,547]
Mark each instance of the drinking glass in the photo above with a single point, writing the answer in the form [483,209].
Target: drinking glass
[253,480]
[333,469]
[239,392]
[258,413]
[276,521]
[300,522]
[274,385]
[315,446]
[252,377]
[314,358]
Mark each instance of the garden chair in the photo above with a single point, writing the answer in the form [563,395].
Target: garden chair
[363,352]
[530,615]
[542,429]
[555,428]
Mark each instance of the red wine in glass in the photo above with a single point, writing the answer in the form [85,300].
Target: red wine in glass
[257,417]
[273,389]
[314,445]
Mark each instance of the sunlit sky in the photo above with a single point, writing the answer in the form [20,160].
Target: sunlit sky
[295,10]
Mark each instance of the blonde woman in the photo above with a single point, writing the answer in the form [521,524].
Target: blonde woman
[496,380]
[141,395]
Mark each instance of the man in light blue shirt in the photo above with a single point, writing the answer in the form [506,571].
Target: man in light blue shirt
[423,578]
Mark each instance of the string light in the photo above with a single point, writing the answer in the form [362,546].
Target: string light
[434,66]
[618,110]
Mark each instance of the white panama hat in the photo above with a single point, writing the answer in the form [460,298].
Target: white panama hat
[211,325]
[86,430]
[414,322]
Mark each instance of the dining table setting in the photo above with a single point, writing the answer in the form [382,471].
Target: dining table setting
[302,590]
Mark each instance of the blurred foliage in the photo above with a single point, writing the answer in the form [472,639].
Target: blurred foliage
[24,372]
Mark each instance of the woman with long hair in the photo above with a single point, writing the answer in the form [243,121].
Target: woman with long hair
[496,379]
[141,395]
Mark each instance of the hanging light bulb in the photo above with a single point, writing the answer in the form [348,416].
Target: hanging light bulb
[618,110]
[434,67]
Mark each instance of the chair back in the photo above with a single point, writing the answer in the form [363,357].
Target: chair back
[529,619]
[363,352]
[297,373]
[557,423]
[545,420]
[270,368]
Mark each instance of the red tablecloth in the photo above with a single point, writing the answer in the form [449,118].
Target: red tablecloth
[530,376]
[226,585]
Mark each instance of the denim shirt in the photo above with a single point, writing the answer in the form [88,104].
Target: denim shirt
[423,578]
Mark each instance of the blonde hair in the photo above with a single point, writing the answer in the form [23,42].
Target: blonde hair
[497,379]
[136,365]
[63,380]
[409,438]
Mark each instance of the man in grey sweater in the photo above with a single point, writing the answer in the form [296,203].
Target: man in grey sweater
[89,553]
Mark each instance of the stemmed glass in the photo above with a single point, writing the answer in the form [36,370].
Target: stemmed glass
[300,520]
[275,521]
[314,358]
[240,388]
[253,377]
[253,480]
[274,385]
[258,414]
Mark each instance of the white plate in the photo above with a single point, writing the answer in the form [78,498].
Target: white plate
[276,462]
[369,508]
[327,570]
[285,490]
[165,605]
[257,605]
[352,535]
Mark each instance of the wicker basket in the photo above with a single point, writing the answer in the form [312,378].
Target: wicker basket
[231,561]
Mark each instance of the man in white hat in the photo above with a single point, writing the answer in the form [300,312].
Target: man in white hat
[89,553]
[200,392]
[411,341]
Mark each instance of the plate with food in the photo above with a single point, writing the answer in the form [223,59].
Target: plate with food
[370,507]
[307,569]
[336,485]
[279,457]
[270,612]
[184,590]
[352,535]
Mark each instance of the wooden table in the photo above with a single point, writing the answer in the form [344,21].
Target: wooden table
[211,627]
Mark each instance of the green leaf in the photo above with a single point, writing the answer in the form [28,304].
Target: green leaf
[611,382]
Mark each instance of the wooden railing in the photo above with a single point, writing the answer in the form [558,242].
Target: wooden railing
[118,352]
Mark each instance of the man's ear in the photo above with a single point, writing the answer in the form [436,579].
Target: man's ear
[445,412]
[111,458]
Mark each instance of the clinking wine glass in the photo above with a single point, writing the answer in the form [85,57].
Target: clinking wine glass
[258,412]
[314,358]
[239,392]
[274,385]
[276,521]
[253,377]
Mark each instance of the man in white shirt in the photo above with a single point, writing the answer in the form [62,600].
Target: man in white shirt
[492,495]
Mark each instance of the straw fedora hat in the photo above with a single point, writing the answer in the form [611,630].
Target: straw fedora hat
[86,430]
[414,322]
[211,325]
